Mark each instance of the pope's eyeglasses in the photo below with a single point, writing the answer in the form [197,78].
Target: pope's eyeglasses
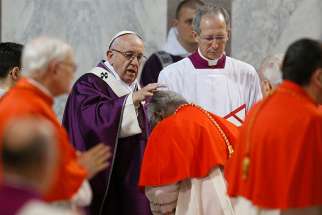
[131,55]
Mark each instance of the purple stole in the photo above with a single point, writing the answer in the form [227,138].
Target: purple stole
[12,199]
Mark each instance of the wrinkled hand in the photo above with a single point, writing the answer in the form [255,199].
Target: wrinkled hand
[144,93]
[95,159]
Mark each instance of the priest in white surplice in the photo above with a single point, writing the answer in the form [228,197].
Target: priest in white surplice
[218,83]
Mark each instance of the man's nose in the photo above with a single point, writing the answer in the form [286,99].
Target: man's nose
[214,44]
[135,60]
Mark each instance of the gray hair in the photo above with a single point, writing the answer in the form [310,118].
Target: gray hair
[38,53]
[270,69]
[162,104]
[209,9]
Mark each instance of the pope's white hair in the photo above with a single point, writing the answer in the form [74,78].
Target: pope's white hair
[38,53]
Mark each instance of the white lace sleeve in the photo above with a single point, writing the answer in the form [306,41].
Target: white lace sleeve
[163,200]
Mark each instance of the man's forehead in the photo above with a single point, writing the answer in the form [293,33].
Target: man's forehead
[122,34]
[213,17]
[129,42]
[129,37]
[213,22]
[186,12]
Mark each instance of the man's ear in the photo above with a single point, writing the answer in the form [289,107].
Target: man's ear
[109,54]
[267,87]
[15,73]
[174,22]
[228,34]
[52,67]
[196,36]
[317,77]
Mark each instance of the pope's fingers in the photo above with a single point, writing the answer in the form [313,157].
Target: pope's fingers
[163,86]
[148,94]
[103,155]
[102,166]
[152,86]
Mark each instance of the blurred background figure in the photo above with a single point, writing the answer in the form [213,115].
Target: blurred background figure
[50,67]
[270,73]
[29,159]
[10,65]
[276,168]
[180,42]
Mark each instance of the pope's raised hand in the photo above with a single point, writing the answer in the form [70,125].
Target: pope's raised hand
[145,93]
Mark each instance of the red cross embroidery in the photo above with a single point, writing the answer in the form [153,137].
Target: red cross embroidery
[234,113]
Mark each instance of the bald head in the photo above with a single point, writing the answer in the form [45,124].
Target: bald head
[29,151]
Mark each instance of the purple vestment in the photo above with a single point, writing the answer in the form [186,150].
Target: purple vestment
[12,199]
[93,114]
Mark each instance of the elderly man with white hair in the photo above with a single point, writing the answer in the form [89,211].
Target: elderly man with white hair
[105,106]
[50,65]
[270,73]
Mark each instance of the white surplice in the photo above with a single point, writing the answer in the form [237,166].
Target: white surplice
[232,89]
[243,206]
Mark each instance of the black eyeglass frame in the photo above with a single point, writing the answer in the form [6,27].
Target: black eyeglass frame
[129,55]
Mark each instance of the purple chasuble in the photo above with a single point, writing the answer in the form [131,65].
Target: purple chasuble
[92,115]
[12,199]
[200,63]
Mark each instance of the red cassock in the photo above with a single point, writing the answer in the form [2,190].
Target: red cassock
[282,140]
[27,100]
[186,145]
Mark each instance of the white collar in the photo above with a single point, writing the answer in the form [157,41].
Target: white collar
[3,91]
[131,87]
[210,62]
[173,46]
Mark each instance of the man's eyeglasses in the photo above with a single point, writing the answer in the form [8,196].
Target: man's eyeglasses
[218,39]
[131,55]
